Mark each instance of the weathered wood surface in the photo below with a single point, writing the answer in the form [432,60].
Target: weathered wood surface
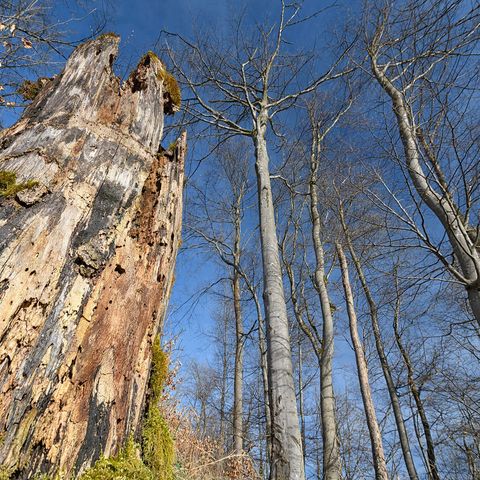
[86,260]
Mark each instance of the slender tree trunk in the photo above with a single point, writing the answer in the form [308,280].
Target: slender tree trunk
[238,375]
[262,343]
[381,472]
[262,346]
[300,398]
[286,462]
[86,261]
[433,473]
[223,391]
[332,467]
[318,458]
[261,461]
[387,374]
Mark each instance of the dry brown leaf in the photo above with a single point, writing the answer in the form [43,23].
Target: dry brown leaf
[27,43]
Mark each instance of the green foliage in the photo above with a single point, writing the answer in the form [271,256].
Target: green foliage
[125,466]
[9,185]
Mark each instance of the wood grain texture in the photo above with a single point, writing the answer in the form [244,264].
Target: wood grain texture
[86,260]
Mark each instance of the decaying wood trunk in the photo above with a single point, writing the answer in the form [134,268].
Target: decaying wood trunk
[86,260]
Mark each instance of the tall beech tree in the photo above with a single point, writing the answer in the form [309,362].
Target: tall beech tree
[239,90]
[378,455]
[379,343]
[423,56]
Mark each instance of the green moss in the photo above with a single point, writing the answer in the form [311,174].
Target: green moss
[159,371]
[9,185]
[125,466]
[157,445]
[172,146]
[152,56]
[107,35]
[44,476]
[171,87]
[157,442]
[28,90]
[169,82]
[5,473]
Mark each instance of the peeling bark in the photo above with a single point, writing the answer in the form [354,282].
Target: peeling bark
[86,260]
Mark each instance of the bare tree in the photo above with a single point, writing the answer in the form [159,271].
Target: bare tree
[331,452]
[386,369]
[34,41]
[419,54]
[239,92]
[362,368]
[216,221]
[413,387]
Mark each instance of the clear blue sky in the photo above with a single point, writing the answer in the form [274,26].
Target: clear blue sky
[139,24]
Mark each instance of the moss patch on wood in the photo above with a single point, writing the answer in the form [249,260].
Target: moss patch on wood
[170,84]
[158,453]
[171,88]
[5,473]
[124,466]
[172,146]
[158,372]
[9,185]
[29,89]
[157,442]
[107,35]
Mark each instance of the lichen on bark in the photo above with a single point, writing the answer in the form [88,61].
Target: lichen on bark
[86,262]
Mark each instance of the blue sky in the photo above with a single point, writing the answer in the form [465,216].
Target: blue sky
[139,24]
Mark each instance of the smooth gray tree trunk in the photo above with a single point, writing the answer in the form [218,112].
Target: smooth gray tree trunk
[387,374]
[301,408]
[239,340]
[378,455]
[286,461]
[332,467]
[433,473]
[442,205]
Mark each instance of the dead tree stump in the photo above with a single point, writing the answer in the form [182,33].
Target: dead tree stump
[89,232]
